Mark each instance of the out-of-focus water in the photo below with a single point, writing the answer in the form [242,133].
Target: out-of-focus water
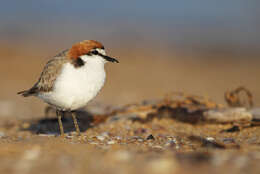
[225,25]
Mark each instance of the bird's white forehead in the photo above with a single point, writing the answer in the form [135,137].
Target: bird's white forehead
[102,51]
[94,57]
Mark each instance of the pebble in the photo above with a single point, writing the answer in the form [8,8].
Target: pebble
[46,135]
[94,143]
[228,140]
[150,137]
[136,138]
[111,142]
[228,115]
[232,129]
[118,138]
[69,136]
[101,138]
[140,140]
[172,143]
[105,134]
[211,139]
[157,147]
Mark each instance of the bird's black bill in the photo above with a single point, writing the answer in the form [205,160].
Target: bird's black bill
[110,59]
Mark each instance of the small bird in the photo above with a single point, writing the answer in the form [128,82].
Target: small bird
[72,78]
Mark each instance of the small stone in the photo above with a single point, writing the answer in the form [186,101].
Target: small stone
[150,137]
[94,143]
[46,135]
[101,138]
[136,138]
[157,147]
[229,115]
[105,134]
[69,136]
[172,143]
[150,144]
[228,140]
[111,142]
[232,129]
[118,138]
[140,140]
[211,139]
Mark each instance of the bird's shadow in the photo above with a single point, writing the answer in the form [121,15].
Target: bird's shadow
[49,125]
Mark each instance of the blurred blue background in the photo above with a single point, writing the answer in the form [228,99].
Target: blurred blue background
[230,26]
[199,47]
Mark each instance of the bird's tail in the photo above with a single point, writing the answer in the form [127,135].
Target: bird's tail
[27,93]
[24,93]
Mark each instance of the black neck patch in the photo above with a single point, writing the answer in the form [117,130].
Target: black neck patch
[78,62]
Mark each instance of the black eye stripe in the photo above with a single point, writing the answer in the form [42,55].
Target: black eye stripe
[95,52]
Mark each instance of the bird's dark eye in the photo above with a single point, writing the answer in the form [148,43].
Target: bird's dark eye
[94,52]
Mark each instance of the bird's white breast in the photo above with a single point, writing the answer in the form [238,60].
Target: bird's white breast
[75,87]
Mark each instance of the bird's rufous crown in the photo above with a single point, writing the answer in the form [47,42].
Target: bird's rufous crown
[83,47]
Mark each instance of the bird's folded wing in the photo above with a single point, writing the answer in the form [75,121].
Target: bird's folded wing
[48,76]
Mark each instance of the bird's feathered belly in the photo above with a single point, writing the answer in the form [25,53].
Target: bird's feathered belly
[75,87]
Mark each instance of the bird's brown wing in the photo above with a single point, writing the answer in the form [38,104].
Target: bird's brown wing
[48,75]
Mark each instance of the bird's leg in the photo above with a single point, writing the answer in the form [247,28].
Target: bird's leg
[59,114]
[73,113]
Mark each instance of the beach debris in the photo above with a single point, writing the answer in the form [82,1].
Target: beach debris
[239,97]
[228,115]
